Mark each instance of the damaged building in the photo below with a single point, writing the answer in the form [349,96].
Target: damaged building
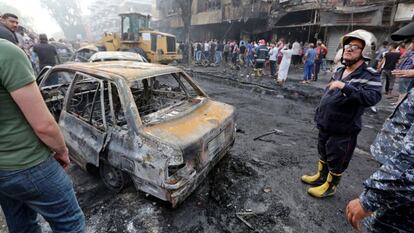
[220,19]
[302,20]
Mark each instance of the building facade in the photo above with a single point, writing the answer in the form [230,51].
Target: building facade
[105,15]
[302,20]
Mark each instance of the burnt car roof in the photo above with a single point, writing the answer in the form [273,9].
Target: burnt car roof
[128,70]
[116,56]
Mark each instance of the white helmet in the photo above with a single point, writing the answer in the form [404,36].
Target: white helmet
[368,38]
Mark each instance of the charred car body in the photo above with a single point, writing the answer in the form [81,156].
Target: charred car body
[140,121]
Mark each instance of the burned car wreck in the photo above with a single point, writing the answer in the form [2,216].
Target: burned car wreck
[139,121]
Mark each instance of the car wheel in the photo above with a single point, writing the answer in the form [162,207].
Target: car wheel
[113,178]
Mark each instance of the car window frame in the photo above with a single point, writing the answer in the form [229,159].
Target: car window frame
[51,72]
[69,96]
[190,81]
[41,75]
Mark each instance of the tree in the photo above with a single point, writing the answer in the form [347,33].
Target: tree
[67,14]
[185,7]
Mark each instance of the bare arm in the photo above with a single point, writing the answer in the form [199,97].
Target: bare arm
[31,103]
[379,66]
[403,73]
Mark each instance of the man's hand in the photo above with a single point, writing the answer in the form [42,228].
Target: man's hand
[403,73]
[336,85]
[355,213]
[63,158]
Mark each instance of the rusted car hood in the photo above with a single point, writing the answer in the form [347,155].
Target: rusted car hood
[205,120]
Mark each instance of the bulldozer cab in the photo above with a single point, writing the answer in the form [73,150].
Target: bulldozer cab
[132,24]
[136,36]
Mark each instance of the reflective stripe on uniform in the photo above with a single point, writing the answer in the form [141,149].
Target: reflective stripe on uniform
[372,83]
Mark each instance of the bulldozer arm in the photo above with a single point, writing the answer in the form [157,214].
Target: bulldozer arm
[111,42]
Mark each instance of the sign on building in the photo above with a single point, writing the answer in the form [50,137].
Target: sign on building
[405,12]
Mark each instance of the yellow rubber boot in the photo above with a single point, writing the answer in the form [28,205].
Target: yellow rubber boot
[328,188]
[320,176]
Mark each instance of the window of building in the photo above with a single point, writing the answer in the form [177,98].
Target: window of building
[172,9]
[209,5]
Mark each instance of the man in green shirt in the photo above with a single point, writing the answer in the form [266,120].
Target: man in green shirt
[31,180]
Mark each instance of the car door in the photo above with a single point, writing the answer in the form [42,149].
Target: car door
[83,121]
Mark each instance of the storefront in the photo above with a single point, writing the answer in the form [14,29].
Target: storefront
[403,14]
[299,26]
[336,23]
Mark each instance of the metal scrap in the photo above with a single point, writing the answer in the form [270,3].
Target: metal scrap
[240,215]
[274,131]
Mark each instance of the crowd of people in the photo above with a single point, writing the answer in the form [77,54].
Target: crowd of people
[276,57]
[390,59]
[280,55]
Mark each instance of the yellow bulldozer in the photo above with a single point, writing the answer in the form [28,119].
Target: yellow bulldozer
[137,36]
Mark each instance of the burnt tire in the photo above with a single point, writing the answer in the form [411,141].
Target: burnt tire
[113,178]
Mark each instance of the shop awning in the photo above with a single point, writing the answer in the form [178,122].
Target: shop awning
[361,16]
[296,25]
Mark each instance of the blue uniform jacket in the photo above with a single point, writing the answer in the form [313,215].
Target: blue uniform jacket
[339,111]
[389,192]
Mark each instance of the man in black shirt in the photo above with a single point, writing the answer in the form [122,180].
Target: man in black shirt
[199,51]
[219,52]
[242,55]
[47,53]
[389,62]
[8,27]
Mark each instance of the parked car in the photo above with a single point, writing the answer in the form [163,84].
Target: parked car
[64,51]
[116,56]
[144,122]
[84,53]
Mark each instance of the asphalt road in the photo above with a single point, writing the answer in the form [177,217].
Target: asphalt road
[259,178]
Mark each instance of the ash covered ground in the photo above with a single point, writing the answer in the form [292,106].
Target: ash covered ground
[259,179]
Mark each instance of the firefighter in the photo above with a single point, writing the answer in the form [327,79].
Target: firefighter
[352,88]
[261,56]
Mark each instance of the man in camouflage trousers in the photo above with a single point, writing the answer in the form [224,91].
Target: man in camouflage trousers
[387,202]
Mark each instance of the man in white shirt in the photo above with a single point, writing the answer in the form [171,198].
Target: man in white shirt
[296,53]
[273,59]
[206,49]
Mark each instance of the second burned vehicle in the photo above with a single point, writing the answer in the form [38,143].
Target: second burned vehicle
[139,121]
